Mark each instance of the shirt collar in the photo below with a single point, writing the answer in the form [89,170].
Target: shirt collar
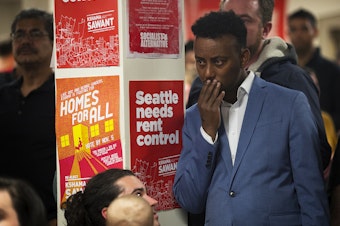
[246,84]
[243,89]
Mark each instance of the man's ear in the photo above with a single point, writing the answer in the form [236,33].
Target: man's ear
[316,32]
[266,29]
[104,212]
[245,57]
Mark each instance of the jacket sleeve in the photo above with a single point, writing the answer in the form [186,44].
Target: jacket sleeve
[306,166]
[195,167]
[298,79]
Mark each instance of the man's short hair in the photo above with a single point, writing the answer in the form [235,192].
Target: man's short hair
[303,14]
[266,8]
[217,24]
[45,17]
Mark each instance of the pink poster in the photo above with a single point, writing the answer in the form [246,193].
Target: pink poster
[156,120]
[88,132]
[86,33]
[154,28]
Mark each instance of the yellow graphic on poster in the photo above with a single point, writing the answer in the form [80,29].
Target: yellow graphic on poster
[87,122]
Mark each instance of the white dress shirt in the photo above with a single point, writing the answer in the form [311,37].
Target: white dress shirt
[233,115]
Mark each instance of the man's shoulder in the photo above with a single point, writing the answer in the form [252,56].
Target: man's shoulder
[9,86]
[286,74]
[5,78]
[192,110]
[275,88]
[326,64]
[322,64]
[283,67]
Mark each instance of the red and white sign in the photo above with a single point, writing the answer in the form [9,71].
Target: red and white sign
[154,28]
[86,33]
[156,121]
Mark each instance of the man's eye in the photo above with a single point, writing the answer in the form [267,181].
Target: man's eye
[36,34]
[218,62]
[18,34]
[139,194]
[199,62]
[246,20]
[304,29]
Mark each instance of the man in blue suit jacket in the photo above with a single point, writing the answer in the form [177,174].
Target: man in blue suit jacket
[250,151]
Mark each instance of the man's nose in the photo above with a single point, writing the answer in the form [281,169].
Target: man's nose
[209,72]
[150,200]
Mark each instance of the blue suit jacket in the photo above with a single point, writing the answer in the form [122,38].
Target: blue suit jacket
[277,175]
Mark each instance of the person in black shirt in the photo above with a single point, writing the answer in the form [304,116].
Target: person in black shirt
[27,108]
[302,32]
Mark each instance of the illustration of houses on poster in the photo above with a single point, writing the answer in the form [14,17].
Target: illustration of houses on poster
[86,33]
[87,127]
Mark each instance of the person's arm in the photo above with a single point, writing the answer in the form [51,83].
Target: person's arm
[309,89]
[299,79]
[195,166]
[306,165]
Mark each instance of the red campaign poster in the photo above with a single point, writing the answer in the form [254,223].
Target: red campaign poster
[87,122]
[86,33]
[154,28]
[156,121]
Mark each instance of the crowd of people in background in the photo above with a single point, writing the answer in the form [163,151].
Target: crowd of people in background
[224,64]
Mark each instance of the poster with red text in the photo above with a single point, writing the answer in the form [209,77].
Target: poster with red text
[156,120]
[86,33]
[87,122]
[154,28]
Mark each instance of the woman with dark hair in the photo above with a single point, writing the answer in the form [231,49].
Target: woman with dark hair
[20,205]
[89,208]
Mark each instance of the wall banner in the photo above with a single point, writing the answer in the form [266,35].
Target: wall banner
[88,134]
[86,33]
[156,120]
[154,28]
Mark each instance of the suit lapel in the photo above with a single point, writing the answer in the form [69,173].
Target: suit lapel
[225,148]
[253,110]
